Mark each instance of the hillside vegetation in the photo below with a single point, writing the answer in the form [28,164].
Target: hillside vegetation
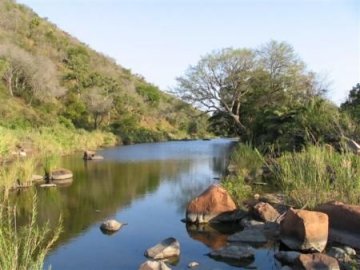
[50,79]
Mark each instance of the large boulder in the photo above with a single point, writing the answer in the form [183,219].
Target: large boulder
[304,230]
[167,248]
[316,261]
[154,265]
[212,205]
[265,212]
[344,220]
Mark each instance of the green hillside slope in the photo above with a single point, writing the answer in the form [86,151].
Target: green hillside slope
[50,79]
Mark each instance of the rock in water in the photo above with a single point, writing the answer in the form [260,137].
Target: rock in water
[169,247]
[304,230]
[344,222]
[154,265]
[213,203]
[249,236]
[316,261]
[233,252]
[193,265]
[111,226]
[61,174]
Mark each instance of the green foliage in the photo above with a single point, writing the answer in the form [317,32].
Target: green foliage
[246,160]
[25,246]
[52,77]
[317,175]
[149,92]
[352,104]
[238,189]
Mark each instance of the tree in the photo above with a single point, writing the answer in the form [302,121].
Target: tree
[29,76]
[98,104]
[237,85]
[219,82]
[352,104]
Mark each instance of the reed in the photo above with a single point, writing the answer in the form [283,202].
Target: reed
[23,247]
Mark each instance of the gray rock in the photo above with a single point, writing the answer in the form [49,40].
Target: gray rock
[111,225]
[249,235]
[234,252]
[193,265]
[340,254]
[287,257]
[286,267]
[169,247]
[251,223]
[350,251]
[154,265]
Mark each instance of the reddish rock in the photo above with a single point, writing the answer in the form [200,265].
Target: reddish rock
[344,220]
[214,202]
[304,230]
[342,216]
[316,261]
[265,212]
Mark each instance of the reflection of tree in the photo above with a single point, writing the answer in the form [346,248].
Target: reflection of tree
[103,186]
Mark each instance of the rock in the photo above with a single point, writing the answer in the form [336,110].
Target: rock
[37,178]
[287,257]
[212,205]
[169,247]
[111,226]
[251,223]
[47,185]
[88,154]
[22,153]
[350,251]
[97,157]
[248,235]
[265,212]
[344,221]
[60,174]
[193,265]
[154,265]
[233,252]
[339,254]
[304,230]
[286,267]
[316,261]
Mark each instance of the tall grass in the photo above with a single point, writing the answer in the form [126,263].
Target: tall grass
[247,160]
[318,174]
[23,247]
[15,174]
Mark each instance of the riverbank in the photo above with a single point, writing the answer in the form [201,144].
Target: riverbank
[51,140]
[315,175]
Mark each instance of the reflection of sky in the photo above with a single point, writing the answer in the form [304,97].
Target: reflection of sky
[168,150]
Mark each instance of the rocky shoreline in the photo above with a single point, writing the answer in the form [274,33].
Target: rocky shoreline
[325,238]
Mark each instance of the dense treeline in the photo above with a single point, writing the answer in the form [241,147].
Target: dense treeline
[49,78]
[268,97]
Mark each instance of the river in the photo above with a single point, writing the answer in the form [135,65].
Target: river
[146,186]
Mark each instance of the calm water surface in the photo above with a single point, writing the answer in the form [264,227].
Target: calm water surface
[146,186]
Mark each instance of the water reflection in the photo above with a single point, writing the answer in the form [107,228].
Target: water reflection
[147,186]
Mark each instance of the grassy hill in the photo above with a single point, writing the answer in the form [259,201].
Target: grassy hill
[50,81]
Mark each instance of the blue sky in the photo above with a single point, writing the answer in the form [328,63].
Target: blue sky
[159,39]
